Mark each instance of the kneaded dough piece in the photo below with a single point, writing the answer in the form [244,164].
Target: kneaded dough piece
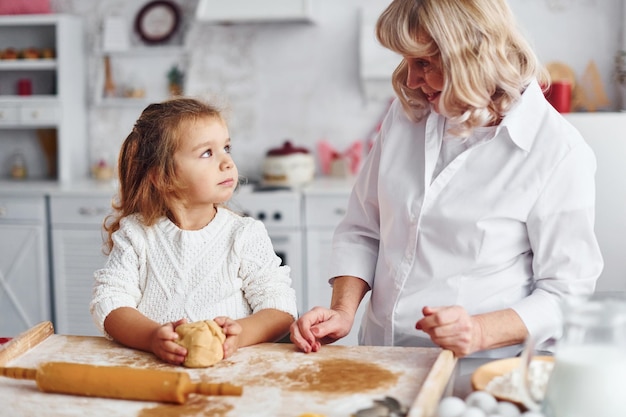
[203,341]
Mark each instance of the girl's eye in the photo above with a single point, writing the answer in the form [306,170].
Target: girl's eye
[227,148]
[206,153]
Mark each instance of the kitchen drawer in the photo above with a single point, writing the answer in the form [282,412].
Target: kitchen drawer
[34,114]
[79,210]
[9,115]
[22,209]
[325,211]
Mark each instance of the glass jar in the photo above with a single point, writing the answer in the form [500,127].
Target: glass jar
[589,361]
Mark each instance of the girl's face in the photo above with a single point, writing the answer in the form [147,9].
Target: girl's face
[425,74]
[204,164]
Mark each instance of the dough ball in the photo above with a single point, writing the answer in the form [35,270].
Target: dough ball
[203,341]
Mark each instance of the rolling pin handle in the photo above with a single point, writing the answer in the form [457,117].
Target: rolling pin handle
[19,373]
[205,388]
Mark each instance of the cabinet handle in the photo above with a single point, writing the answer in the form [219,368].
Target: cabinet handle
[3,211]
[91,211]
[340,211]
[35,114]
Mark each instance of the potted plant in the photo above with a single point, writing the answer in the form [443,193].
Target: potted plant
[175,81]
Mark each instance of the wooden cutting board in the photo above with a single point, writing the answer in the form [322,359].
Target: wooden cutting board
[277,379]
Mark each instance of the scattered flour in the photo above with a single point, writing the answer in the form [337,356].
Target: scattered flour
[509,385]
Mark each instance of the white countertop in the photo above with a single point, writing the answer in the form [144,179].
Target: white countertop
[319,186]
[36,188]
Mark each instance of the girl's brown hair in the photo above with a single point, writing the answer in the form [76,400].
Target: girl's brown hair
[148,185]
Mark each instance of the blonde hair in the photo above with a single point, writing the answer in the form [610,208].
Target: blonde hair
[146,169]
[485,60]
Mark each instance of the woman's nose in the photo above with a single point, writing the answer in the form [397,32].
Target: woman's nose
[414,77]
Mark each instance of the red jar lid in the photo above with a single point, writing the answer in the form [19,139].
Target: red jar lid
[286,149]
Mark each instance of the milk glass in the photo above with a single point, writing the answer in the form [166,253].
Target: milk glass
[589,362]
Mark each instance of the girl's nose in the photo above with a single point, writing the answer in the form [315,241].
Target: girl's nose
[227,161]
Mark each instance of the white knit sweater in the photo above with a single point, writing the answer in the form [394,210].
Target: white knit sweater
[228,268]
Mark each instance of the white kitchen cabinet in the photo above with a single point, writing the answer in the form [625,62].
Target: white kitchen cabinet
[606,134]
[24,267]
[325,205]
[57,98]
[77,239]
[237,11]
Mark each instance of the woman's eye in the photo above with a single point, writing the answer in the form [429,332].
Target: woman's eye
[422,63]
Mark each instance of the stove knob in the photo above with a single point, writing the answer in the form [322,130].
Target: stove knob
[277,216]
[261,215]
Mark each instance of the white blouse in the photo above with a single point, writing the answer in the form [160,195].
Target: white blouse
[509,222]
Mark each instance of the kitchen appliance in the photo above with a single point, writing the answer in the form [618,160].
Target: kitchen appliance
[280,210]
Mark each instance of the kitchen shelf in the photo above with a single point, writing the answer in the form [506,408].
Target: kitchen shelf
[57,99]
[123,102]
[145,51]
[127,74]
[28,64]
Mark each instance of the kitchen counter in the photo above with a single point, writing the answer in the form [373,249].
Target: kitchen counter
[86,187]
[277,380]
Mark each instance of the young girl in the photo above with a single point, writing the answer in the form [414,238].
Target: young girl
[176,254]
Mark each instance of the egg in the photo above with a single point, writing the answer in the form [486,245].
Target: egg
[473,412]
[451,407]
[482,400]
[507,409]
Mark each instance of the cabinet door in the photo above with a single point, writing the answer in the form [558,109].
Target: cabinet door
[77,253]
[319,292]
[24,284]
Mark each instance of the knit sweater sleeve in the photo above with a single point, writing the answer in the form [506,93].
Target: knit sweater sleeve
[119,283]
[266,284]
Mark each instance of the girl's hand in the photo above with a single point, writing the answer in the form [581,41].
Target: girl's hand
[163,343]
[232,330]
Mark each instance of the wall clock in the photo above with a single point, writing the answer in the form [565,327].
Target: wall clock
[157,21]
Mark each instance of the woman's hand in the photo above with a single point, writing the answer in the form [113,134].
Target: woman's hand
[232,330]
[451,328]
[163,343]
[320,326]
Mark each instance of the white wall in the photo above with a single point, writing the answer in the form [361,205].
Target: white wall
[302,81]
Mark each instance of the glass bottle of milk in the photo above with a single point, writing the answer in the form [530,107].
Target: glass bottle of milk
[590,361]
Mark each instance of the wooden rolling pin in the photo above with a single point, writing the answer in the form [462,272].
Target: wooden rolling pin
[117,382]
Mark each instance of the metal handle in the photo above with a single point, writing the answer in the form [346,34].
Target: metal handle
[91,211]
